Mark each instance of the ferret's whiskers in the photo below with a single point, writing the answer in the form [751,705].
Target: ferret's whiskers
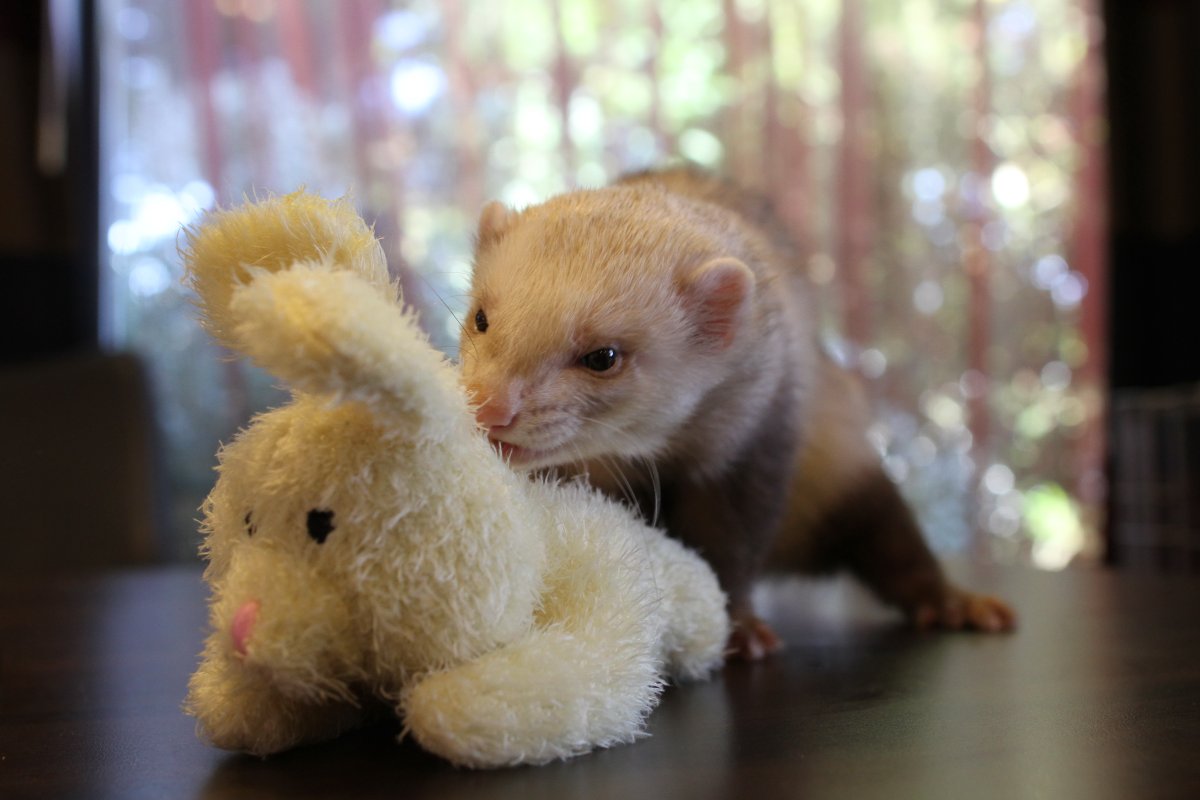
[614,469]
[474,401]
[462,327]
[656,485]
[613,465]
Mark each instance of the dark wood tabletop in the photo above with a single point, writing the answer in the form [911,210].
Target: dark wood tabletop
[1097,695]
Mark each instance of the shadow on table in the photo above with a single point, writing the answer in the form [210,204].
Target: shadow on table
[752,722]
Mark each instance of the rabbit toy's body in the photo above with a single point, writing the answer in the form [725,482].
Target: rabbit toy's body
[367,546]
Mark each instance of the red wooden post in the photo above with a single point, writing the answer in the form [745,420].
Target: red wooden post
[564,87]
[853,223]
[976,259]
[736,113]
[354,40]
[297,46]
[654,20]
[978,264]
[469,134]
[204,51]
[773,133]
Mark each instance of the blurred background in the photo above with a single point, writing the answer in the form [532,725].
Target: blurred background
[996,201]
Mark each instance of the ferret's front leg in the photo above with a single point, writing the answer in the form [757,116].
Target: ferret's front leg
[732,522]
[554,694]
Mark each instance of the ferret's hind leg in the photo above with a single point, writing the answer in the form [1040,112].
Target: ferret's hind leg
[872,532]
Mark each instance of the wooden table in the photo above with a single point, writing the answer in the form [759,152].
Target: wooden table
[1096,696]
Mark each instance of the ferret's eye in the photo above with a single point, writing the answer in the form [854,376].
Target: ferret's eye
[600,360]
[481,323]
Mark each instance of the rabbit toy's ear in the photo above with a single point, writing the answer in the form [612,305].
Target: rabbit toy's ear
[228,248]
[299,284]
[330,333]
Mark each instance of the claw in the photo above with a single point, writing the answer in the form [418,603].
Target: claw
[960,610]
[752,639]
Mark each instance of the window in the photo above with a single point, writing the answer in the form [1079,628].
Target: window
[940,160]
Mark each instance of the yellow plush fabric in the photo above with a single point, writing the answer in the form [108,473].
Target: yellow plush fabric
[367,547]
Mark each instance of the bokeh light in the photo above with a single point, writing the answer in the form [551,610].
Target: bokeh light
[927,155]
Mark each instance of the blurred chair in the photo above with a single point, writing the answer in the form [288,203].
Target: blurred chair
[77,479]
[1155,500]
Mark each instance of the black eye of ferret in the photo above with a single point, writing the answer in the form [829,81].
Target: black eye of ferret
[600,360]
[320,524]
[481,323]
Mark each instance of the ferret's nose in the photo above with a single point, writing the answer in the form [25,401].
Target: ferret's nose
[495,414]
[498,405]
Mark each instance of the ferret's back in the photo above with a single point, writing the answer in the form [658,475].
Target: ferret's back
[753,208]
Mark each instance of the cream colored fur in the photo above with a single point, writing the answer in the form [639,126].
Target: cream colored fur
[504,620]
[624,267]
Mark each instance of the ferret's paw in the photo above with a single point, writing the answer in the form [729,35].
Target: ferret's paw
[963,610]
[751,639]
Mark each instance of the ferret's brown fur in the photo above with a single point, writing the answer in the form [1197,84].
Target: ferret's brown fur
[656,336]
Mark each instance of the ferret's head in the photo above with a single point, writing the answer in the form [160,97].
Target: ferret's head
[598,322]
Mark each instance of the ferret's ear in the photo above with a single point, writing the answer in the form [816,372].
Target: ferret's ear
[717,296]
[495,219]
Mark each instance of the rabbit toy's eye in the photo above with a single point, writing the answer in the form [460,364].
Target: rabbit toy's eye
[320,524]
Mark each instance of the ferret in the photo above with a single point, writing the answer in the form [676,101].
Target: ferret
[656,337]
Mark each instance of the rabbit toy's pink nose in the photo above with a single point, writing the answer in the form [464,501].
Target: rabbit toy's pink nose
[243,624]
